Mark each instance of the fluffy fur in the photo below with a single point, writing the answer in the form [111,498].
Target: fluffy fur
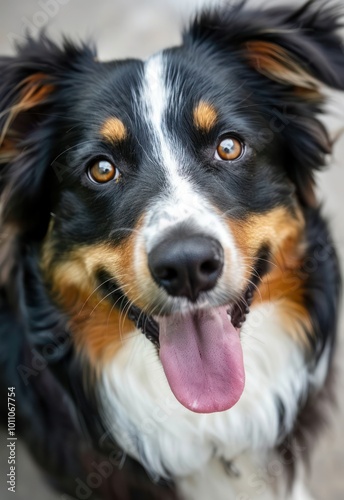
[76,284]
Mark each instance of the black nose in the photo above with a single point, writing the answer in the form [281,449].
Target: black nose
[186,266]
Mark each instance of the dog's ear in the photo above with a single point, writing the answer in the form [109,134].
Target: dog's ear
[33,93]
[285,57]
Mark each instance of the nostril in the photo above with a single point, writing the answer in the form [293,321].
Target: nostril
[167,274]
[210,266]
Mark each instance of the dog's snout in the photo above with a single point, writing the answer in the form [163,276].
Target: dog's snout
[186,266]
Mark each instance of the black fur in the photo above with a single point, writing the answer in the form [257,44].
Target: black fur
[55,142]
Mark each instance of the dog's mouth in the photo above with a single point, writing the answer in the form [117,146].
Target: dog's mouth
[198,342]
[201,353]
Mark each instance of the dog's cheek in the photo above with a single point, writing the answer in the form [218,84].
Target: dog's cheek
[279,230]
[284,283]
[98,327]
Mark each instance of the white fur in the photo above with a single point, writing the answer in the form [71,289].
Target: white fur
[155,99]
[200,218]
[319,375]
[153,427]
[260,477]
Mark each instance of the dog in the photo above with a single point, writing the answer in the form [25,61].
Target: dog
[169,288]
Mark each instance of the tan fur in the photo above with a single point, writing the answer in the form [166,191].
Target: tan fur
[284,284]
[99,329]
[34,90]
[278,64]
[278,227]
[286,288]
[204,116]
[8,254]
[113,130]
[8,150]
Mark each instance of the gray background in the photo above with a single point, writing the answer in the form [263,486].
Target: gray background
[136,28]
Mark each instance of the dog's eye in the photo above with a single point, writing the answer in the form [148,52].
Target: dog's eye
[229,149]
[103,171]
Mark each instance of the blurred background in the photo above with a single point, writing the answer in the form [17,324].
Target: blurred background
[136,28]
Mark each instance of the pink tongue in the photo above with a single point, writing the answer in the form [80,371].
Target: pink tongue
[202,358]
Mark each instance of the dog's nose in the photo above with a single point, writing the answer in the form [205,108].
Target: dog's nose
[186,266]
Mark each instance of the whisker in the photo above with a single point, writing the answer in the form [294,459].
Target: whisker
[88,298]
[72,147]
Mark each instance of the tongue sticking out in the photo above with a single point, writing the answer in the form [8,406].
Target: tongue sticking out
[202,358]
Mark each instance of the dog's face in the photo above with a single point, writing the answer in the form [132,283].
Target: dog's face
[176,187]
[161,163]
[169,193]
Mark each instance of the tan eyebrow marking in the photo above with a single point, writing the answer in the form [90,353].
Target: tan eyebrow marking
[113,130]
[204,116]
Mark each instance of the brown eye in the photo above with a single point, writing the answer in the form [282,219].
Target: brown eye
[103,171]
[229,149]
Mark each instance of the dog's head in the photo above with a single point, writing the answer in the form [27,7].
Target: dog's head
[165,192]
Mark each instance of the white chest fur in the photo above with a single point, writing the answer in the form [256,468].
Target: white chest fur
[261,477]
[152,426]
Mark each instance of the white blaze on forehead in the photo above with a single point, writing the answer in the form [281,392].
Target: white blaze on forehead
[156,98]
